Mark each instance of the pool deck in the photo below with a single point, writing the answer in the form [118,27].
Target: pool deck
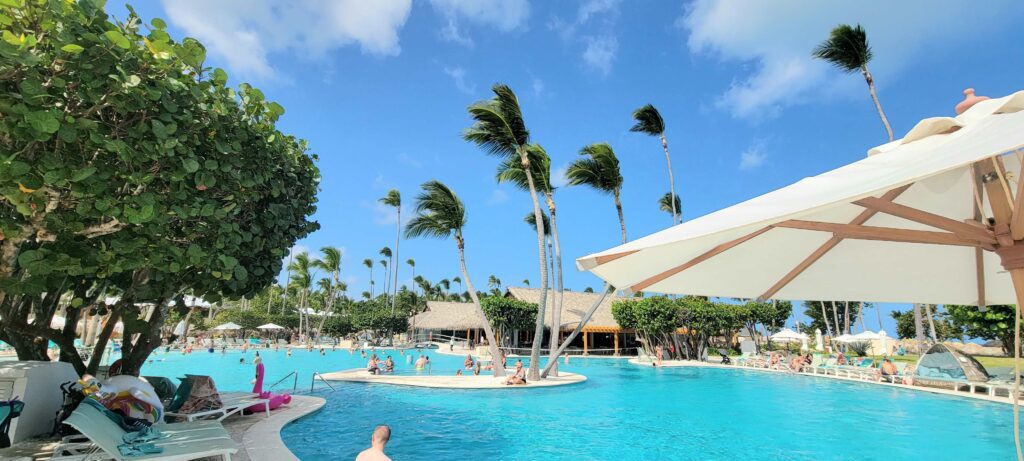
[470,381]
[932,390]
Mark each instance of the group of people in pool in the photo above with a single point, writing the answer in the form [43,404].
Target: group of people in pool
[375,366]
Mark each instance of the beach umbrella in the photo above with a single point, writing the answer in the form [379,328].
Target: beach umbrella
[936,217]
[844,338]
[788,336]
[866,335]
[819,343]
[179,329]
[270,326]
[885,341]
[228,326]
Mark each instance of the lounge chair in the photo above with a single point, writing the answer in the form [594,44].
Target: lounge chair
[208,402]
[101,438]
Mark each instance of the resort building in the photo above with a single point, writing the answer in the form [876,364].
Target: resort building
[601,335]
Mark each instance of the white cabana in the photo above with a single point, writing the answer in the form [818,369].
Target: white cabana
[228,326]
[867,335]
[844,338]
[935,217]
[270,326]
[788,336]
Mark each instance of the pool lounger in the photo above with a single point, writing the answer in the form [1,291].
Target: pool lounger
[232,403]
[179,441]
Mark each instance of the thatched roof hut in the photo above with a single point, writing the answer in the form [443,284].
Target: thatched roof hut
[443,315]
[574,305]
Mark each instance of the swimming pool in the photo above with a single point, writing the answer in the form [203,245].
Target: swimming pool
[625,412]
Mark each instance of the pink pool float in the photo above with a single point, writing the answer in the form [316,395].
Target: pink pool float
[276,400]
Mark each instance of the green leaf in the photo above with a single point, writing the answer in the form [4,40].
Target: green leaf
[118,39]
[13,39]
[43,121]
[13,3]
[72,48]
[191,165]
[77,302]
[220,77]
[158,23]
[83,173]
[132,81]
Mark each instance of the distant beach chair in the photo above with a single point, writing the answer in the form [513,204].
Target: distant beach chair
[197,398]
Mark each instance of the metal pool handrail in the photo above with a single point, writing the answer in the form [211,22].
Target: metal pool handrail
[312,383]
[295,384]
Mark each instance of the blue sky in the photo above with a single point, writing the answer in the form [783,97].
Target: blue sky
[380,89]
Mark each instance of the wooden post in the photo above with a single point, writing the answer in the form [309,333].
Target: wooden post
[585,342]
[1012,259]
[616,343]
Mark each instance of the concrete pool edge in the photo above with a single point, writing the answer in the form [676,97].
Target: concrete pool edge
[262,441]
[931,390]
[359,375]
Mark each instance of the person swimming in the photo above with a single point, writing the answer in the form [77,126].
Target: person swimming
[468,363]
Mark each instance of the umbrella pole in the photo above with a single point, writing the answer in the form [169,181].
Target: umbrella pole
[1017,275]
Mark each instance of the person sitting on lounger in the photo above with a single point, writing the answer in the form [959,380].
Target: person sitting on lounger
[519,377]
[841,359]
[773,360]
[381,435]
[888,369]
[389,365]
[468,363]
[797,364]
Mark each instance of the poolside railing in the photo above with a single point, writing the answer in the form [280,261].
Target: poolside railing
[316,375]
[295,382]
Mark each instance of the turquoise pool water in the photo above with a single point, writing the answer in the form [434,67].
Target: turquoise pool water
[625,412]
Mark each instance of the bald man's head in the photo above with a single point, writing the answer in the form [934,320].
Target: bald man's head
[381,434]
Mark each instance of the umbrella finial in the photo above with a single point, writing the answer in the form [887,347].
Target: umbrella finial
[969,101]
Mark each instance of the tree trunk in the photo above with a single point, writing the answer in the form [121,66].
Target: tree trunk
[918,325]
[931,322]
[878,313]
[134,354]
[556,316]
[534,370]
[395,263]
[835,319]
[824,319]
[874,98]
[492,343]
[846,316]
[579,327]
[676,214]
[622,220]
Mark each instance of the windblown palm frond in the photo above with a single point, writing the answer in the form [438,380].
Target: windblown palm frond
[331,261]
[439,212]
[385,252]
[665,203]
[598,168]
[510,170]
[368,263]
[531,219]
[846,48]
[648,121]
[392,199]
[498,123]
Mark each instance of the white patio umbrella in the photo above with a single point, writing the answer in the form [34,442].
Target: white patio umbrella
[845,338]
[819,343]
[885,341]
[270,326]
[935,217]
[867,335]
[228,326]
[788,336]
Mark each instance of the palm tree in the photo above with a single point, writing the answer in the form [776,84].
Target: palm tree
[599,169]
[384,264]
[847,48]
[499,128]
[369,265]
[526,282]
[394,199]
[512,171]
[446,285]
[330,263]
[649,122]
[367,295]
[386,252]
[412,264]
[669,203]
[440,214]
[302,275]
[458,280]
[494,283]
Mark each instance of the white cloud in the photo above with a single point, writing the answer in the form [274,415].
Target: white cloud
[458,75]
[246,32]
[407,160]
[538,87]
[384,215]
[559,178]
[591,8]
[777,38]
[504,15]
[381,183]
[600,52]
[497,197]
[754,156]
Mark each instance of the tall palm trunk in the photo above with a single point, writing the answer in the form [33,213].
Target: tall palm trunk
[824,318]
[556,259]
[931,322]
[622,220]
[835,320]
[371,281]
[878,313]
[918,325]
[394,263]
[538,337]
[671,181]
[846,316]
[499,369]
[874,97]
